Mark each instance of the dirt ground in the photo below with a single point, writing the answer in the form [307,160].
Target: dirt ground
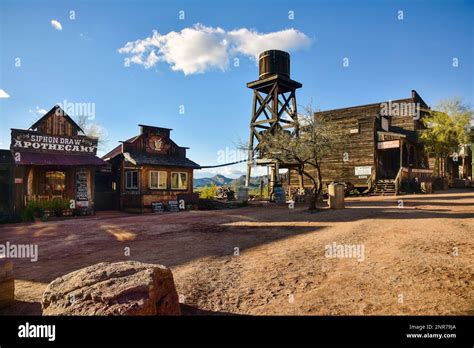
[418,259]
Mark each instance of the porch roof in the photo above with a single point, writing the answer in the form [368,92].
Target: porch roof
[47,159]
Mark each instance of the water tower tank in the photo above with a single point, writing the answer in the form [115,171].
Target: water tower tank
[273,62]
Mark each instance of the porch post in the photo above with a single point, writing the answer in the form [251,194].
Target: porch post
[401,153]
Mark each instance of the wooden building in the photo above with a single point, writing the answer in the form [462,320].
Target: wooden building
[53,159]
[6,185]
[379,146]
[149,168]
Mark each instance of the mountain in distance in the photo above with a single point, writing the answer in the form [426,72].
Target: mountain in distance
[218,180]
[221,180]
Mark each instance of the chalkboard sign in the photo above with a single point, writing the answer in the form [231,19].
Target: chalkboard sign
[173,206]
[279,194]
[157,207]
[81,185]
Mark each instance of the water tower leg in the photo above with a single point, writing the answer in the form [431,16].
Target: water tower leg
[249,172]
[273,177]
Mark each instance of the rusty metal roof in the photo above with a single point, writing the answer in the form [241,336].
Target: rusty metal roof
[47,159]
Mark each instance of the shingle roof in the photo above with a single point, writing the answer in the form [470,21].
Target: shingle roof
[168,161]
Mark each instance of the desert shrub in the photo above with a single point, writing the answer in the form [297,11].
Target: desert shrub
[243,204]
[37,208]
[58,206]
[208,192]
[32,209]
[354,193]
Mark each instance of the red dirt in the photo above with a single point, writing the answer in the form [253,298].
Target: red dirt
[409,266]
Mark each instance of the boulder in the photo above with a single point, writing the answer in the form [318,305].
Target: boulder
[122,288]
[7,283]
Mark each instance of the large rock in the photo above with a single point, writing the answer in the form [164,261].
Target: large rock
[122,288]
[7,283]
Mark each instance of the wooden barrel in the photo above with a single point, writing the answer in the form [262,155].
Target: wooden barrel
[273,62]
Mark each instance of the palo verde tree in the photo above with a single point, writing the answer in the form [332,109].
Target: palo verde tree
[447,128]
[92,129]
[317,139]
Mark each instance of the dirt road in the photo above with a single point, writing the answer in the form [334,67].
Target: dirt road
[418,258]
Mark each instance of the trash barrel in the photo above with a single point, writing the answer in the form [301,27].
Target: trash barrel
[336,196]
[242,194]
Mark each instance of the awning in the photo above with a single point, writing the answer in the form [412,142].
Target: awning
[48,159]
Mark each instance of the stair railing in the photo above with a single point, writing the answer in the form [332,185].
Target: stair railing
[398,181]
[371,181]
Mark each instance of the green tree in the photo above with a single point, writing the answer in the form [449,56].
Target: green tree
[208,192]
[447,128]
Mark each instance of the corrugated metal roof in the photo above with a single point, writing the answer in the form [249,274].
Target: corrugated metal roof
[45,159]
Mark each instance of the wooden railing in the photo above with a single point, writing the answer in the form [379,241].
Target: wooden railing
[398,181]
[410,173]
[405,173]
[371,181]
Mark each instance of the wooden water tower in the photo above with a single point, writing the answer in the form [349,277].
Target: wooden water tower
[274,108]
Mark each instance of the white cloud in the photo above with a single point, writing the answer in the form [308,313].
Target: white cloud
[4,94]
[199,48]
[38,111]
[56,25]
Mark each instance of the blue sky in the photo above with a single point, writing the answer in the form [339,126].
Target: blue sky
[388,57]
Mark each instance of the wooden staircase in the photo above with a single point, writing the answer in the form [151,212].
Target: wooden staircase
[384,187]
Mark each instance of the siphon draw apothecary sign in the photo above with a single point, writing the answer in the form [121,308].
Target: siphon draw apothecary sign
[24,140]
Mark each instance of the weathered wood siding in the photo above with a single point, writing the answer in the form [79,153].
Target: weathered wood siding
[360,147]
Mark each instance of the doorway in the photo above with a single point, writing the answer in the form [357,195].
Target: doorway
[388,163]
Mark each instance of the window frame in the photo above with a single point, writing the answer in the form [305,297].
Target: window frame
[158,181]
[179,189]
[126,180]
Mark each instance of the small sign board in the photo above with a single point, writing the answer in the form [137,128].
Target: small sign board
[81,185]
[279,194]
[18,180]
[392,144]
[157,207]
[82,204]
[362,171]
[173,206]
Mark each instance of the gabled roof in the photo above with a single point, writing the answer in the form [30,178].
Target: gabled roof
[57,109]
[112,153]
[149,158]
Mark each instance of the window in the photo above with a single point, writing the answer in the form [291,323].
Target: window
[54,183]
[179,181]
[157,180]
[131,180]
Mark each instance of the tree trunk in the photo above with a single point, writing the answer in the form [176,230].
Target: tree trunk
[313,199]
